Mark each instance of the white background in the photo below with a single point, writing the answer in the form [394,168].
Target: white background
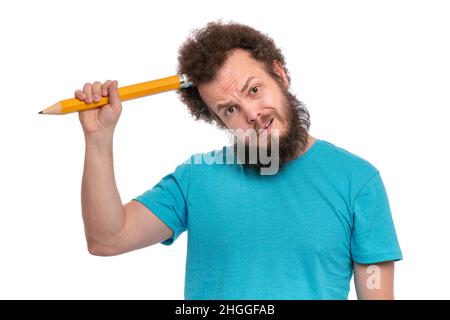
[375,76]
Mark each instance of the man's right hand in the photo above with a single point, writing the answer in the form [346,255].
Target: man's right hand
[99,123]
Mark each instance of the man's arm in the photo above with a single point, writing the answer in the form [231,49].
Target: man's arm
[110,227]
[374,281]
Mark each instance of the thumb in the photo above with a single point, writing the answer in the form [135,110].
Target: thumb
[113,94]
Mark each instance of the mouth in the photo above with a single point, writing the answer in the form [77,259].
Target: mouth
[268,124]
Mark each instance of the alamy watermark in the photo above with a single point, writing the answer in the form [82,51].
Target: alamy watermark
[374,280]
[251,147]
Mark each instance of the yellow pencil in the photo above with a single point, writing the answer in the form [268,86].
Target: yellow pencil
[125,93]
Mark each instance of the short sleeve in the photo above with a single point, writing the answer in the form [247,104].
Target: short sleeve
[168,200]
[374,237]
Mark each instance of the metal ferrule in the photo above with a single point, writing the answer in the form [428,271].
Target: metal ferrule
[184,81]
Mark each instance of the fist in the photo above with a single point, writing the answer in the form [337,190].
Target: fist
[100,121]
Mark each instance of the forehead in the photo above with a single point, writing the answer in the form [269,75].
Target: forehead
[239,63]
[238,67]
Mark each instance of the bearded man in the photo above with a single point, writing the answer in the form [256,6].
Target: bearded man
[278,214]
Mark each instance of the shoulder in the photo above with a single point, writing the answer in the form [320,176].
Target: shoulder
[212,157]
[346,169]
[218,161]
[210,168]
[343,160]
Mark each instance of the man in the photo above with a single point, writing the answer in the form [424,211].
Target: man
[298,233]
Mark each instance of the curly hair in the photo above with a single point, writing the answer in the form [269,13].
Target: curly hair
[207,49]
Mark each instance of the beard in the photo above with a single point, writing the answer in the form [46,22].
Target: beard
[292,143]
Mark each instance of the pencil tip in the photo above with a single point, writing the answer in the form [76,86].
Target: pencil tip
[41,112]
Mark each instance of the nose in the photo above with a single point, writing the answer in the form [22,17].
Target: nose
[252,114]
[253,118]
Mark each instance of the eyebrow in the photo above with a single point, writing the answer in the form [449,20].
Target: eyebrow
[247,83]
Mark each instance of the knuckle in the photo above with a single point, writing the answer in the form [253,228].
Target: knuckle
[87,90]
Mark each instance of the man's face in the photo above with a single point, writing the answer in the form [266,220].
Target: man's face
[244,96]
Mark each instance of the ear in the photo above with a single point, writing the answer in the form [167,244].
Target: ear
[279,70]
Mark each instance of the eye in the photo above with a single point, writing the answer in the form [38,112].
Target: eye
[254,90]
[229,110]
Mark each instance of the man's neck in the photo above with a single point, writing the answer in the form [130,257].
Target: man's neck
[310,141]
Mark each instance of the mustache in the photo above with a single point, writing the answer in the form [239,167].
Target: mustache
[263,119]
[294,141]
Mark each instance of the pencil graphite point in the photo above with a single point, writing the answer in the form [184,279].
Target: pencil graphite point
[40,112]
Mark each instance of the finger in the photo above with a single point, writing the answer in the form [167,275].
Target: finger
[87,89]
[80,95]
[113,93]
[105,87]
[97,91]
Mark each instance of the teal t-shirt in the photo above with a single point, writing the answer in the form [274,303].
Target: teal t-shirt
[292,235]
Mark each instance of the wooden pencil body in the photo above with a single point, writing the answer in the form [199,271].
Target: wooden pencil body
[126,93]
